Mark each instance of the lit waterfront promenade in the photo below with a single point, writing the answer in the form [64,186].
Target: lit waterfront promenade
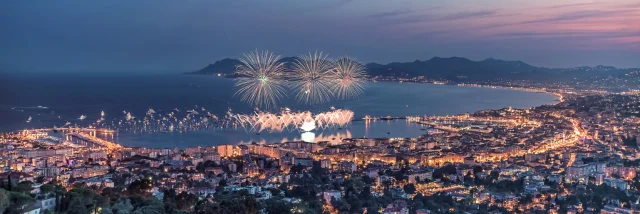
[84,134]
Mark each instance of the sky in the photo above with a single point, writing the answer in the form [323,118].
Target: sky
[186,35]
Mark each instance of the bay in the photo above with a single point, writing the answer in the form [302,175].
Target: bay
[53,99]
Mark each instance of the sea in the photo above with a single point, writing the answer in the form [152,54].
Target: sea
[55,98]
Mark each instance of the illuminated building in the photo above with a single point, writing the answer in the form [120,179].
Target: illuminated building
[331,194]
[325,163]
[347,166]
[617,183]
[226,150]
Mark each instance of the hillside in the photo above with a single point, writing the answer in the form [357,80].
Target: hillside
[458,69]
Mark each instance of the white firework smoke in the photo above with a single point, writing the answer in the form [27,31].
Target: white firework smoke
[261,121]
[312,78]
[349,78]
[261,79]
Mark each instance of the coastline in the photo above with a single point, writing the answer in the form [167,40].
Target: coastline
[560,96]
[188,86]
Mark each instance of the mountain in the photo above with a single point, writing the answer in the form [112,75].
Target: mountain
[228,66]
[460,69]
[455,68]
[224,66]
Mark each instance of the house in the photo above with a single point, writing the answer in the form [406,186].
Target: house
[328,195]
[47,204]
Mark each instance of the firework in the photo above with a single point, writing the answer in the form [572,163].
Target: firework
[349,78]
[261,79]
[313,77]
[261,121]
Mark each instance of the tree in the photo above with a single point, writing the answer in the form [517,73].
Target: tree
[185,201]
[275,192]
[373,209]
[123,207]
[20,200]
[355,205]
[297,169]
[106,211]
[76,206]
[494,175]
[222,183]
[25,187]
[418,205]
[410,188]
[101,201]
[365,194]
[150,207]
[47,188]
[139,187]
[4,200]
[477,169]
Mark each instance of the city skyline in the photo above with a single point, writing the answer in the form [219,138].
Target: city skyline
[179,36]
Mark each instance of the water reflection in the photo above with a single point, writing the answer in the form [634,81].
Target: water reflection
[357,129]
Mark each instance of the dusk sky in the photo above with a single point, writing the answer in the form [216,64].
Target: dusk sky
[170,35]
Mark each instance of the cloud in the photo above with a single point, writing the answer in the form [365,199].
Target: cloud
[331,5]
[468,15]
[577,15]
[569,5]
[388,14]
[571,34]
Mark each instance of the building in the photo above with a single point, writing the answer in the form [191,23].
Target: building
[244,150]
[328,195]
[192,150]
[211,156]
[421,175]
[397,207]
[226,150]
[599,178]
[347,166]
[233,167]
[608,209]
[303,161]
[325,163]
[47,204]
[626,173]
[422,211]
[617,183]
[580,172]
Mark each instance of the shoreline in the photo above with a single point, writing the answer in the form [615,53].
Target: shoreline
[558,95]
[559,98]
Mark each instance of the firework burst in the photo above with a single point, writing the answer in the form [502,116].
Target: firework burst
[261,79]
[349,78]
[313,74]
[283,121]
